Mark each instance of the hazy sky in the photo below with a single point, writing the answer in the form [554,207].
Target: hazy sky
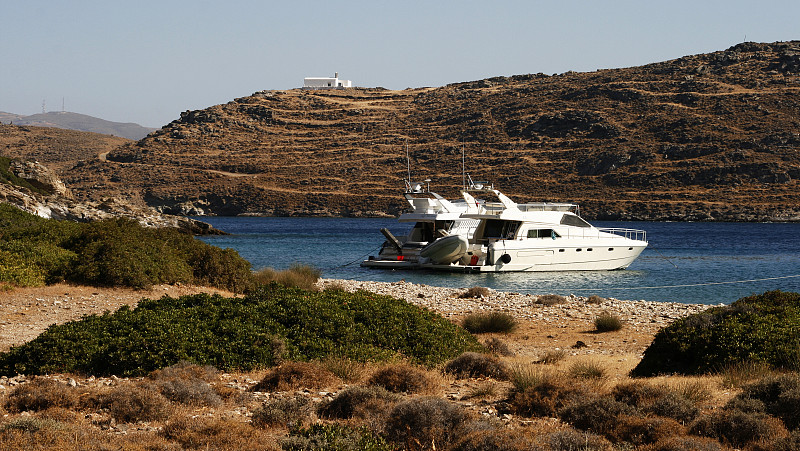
[146,61]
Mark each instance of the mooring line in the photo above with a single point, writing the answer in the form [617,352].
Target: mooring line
[730,282]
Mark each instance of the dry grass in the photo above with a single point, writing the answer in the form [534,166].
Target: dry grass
[607,322]
[552,356]
[298,276]
[494,322]
[475,292]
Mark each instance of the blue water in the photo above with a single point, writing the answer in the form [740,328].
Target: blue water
[711,254]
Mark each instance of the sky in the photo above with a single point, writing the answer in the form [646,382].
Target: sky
[147,61]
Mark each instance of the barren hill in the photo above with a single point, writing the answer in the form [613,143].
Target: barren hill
[80,122]
[703,137]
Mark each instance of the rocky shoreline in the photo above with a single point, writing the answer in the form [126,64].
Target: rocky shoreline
[642,316]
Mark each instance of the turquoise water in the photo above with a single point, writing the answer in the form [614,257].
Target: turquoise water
[707,256]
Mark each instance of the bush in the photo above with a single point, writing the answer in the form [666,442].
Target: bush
[547,397]
[186,370]
[114,252]
[595,299]
[294,375]
[481,323]
[606,322]
[130,403]
[779,395]
[497,440]
[598,415]
[475,292]
[40,394]
[657,400]
[551,299]
[297,276]
[198,432]
[497,346]
[551,357]
[473,364]
[638,430]
[348,370]
[570,439]
[334,437]
[195,392]
[686,443]
[280,412]
[352,401]
[759,328]
[401,378]
[523,377]
[738,428]
[587,370]
[242,333]
[426,422]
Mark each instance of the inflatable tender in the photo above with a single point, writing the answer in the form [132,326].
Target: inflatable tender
[445,250]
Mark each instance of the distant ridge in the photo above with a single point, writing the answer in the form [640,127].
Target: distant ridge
[80,122]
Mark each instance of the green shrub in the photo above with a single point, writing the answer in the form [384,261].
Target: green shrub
[241,333]
[473,364]
[606,322]
[761,328]
[336,437]
[115,252]
[481,323]
[18,272]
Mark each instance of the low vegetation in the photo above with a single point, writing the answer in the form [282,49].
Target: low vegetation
[482,323]
[758,329]
[115,252]
[607,322]
[242,333]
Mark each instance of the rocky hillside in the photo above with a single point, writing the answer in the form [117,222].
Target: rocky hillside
[703,137]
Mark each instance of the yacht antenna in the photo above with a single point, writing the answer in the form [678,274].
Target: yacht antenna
[408,162]
[463,168]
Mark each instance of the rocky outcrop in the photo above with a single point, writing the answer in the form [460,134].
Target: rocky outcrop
[61,205]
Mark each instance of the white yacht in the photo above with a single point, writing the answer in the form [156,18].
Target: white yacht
[433,217]
[518,237]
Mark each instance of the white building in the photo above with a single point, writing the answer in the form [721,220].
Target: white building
[326,83]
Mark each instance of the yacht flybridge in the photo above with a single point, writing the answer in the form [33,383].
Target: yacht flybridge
[477,235]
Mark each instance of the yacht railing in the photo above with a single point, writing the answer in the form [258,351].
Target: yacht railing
[631,234]
[492,208]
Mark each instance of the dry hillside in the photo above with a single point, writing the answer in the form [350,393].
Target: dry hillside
[704,137]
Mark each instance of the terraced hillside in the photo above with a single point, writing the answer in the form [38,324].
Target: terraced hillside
[704,137]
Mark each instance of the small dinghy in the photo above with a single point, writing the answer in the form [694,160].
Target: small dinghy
[445,250]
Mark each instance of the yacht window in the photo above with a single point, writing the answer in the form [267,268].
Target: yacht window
[572,220]
[499,229]
[610,248]
[561,250]
[543,233]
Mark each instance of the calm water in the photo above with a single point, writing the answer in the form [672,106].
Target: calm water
[706,256]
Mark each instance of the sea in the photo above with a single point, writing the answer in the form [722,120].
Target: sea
[685,262]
